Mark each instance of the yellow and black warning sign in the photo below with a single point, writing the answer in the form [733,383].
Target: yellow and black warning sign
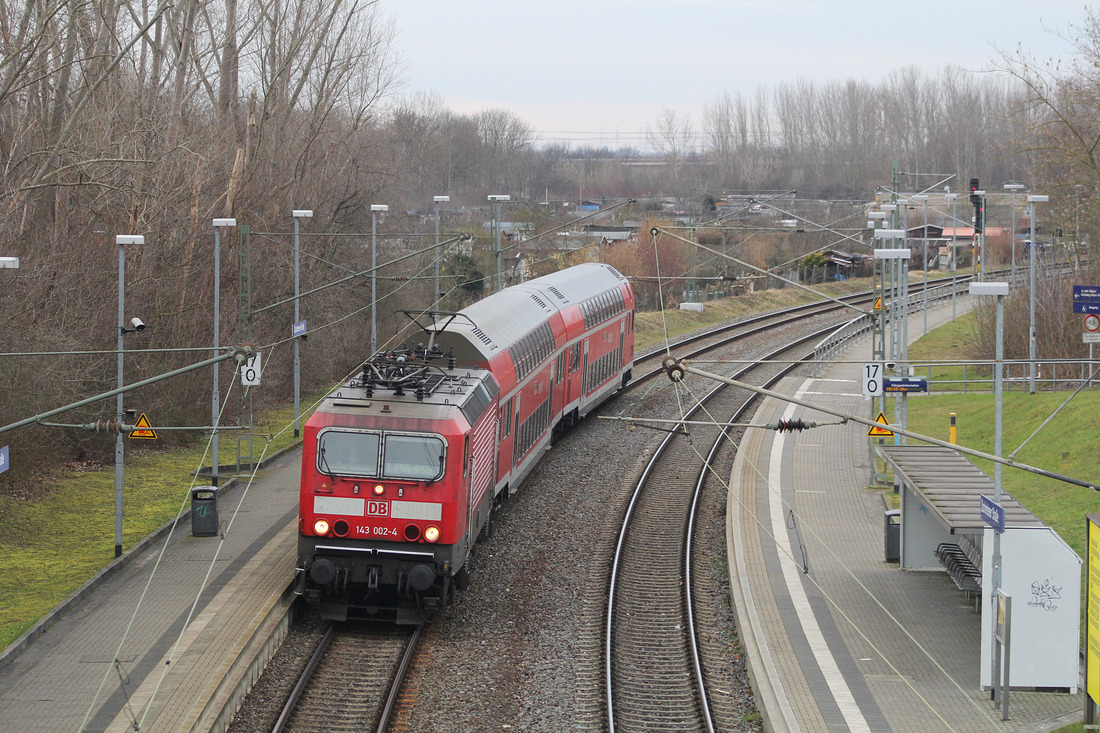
[875,431]
[144,431]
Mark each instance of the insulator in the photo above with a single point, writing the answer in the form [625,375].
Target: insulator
[792,426]
[420,391]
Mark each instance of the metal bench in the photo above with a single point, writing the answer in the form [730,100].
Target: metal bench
[962,563]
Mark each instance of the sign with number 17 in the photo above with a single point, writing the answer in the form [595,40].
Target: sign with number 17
[872,374]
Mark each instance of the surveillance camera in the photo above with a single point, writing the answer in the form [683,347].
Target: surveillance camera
[891,365]
[138,324]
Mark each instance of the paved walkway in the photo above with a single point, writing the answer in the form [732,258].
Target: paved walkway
[67,679]
[852,643]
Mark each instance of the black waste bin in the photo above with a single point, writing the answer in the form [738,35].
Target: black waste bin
[892,539]
[204,511]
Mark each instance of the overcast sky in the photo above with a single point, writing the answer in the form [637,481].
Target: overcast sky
[602,71]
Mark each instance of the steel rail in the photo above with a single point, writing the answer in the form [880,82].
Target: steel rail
[616,561]
[303,679]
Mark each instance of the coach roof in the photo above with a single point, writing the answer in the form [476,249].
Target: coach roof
[503,318]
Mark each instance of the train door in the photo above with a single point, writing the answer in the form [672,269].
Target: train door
[584,371]
[622,336]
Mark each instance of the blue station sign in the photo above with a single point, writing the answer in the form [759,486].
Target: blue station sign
[298,329]
[898,386]
[1086,298]
[993,514]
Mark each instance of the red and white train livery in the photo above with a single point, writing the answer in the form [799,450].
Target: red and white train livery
[402,467]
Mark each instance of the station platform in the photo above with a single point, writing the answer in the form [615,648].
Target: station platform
[162,640]
[838,639]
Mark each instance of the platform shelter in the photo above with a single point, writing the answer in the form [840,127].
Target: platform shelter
[942,529]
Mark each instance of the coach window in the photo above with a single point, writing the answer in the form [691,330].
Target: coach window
[348,453]
[416,457]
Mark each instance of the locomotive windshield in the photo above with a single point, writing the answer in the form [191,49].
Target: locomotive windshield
[403,456]
[417,457]
[348,453]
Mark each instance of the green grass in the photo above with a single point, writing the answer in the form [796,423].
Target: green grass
[53,544]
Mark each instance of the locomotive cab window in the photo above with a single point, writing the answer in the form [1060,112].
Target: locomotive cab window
[357,453]
[348,453]
[417,457]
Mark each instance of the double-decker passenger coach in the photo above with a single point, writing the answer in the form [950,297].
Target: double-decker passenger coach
[403,466]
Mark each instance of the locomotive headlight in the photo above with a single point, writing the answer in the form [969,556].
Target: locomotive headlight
[431,534]
[379,489]
[320,527]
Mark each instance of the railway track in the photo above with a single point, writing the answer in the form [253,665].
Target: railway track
[655,664]
[648,365]
[352,680]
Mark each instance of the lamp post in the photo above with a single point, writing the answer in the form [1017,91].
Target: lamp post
[122,240]
[924,257]
[1032,199]
[438,200]
[954,199]
[496,198]
[374,209]
[1012,188]
[215,400]
[979,232]
[1000,290]
[298,215]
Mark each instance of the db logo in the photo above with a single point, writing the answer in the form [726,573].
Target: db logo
[378,508]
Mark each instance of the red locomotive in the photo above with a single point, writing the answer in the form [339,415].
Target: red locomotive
[402,467]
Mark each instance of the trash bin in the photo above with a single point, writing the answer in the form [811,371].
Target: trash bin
[204,511]
[892,539]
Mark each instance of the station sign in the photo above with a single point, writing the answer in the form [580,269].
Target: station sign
[1086,299]
[993,514]
[4,459]
[909,384]
[298,329]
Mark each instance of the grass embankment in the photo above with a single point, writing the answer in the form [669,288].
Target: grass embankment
[52,544]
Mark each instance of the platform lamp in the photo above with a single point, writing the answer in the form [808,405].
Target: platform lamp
[298,215]
[374,209]
[496,198]
[1000,290]
[9,263]
[438,200]
[1012,189]
[215,400]
[122,240]
[954,199]
[924,257]
[1032,199]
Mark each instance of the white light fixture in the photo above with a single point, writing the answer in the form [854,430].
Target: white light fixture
[122,239]
[1015,187]
[9,263]
[889,207]
[889,233]
[441,199]
[1037,198]
[951,196]
[876,215]
[379,207]
[499,197]
[302,213]
[989,287]
[225,222]
[892,254]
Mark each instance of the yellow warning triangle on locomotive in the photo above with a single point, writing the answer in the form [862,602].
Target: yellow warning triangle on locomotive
[880,432]
[142,429]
